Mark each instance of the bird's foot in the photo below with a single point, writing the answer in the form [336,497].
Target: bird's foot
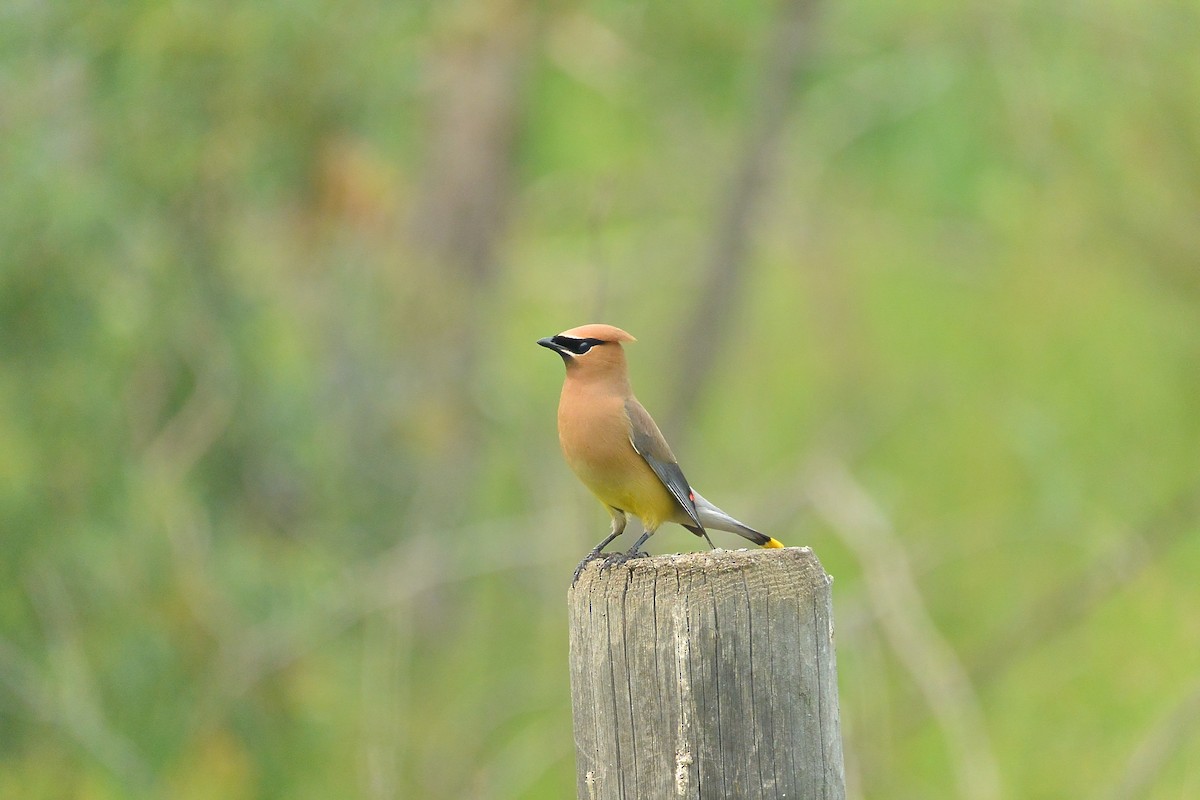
[616,559]
[589,558]
[608,561]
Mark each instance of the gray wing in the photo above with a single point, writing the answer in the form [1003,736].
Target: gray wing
[649,443]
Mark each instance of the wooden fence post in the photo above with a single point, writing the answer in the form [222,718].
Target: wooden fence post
[706,676]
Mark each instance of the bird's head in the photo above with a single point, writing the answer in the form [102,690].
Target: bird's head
[593,349]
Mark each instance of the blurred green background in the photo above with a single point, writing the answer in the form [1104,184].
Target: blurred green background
[282,506]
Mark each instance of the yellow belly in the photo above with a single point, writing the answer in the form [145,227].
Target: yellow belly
[619,477]
[635,490]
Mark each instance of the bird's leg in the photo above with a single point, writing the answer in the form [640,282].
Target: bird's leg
[618,527]
[704,533]
[635,551]
[613,559]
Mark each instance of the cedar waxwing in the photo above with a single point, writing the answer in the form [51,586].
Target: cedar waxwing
[615,448]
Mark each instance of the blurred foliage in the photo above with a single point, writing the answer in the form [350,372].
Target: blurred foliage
[282,509]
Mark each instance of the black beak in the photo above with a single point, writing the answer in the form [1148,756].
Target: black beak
[556,347]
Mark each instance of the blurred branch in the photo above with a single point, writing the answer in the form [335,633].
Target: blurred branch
[476,91]
[186,436]
[897,603]
[388,581]
[1024,96]
[387,646]
[23,680]
[173,452]
[724,273]
[1072,601]
[68,699]
[1161,742]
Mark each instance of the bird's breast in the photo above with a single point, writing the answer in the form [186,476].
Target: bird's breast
[595,438]
[594,433]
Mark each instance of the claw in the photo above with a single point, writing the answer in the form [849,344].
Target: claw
[613,559]
[616,559]
[589,558]
[609,560]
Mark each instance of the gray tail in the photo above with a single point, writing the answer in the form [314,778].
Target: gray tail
[713,517]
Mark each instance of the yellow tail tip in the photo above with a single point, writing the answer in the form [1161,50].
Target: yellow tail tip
[774,543]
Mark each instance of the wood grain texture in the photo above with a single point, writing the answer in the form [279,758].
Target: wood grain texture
[706,675]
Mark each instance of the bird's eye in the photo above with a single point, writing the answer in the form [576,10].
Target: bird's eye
[583,345]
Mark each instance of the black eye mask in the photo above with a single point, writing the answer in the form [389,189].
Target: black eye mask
[576,346]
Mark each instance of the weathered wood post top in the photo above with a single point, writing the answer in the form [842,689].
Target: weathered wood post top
[706,675]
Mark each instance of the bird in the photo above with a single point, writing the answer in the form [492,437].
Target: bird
[614,447]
